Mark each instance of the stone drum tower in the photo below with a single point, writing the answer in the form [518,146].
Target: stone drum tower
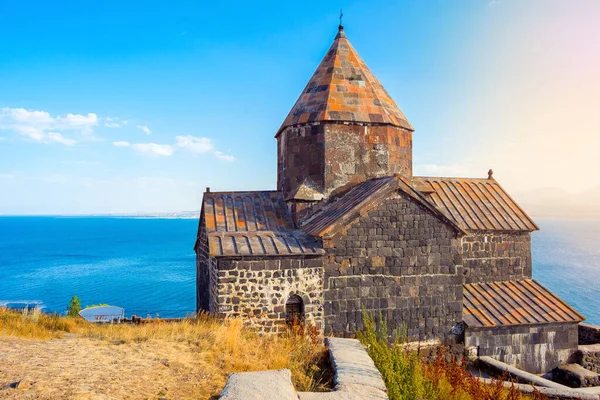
[344,129]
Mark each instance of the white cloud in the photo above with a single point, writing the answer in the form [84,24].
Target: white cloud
[111,123]
[191,144]
[201,145]
[195,145]
[78,122]
[224,157]
[144,129]
[41,127]
[153,149]
[58,138]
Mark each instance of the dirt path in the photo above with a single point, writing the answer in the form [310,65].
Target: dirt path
[78,368]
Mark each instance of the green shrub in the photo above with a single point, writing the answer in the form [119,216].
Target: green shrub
[408,378]
[400,369]
[74,307]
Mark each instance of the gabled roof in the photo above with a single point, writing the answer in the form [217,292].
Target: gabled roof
[476,204]
[360,199]
[252,224]
[510,303]
[344,89]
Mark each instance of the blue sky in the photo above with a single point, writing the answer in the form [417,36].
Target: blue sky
[138,106]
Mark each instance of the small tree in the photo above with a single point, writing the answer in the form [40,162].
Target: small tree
[74,307]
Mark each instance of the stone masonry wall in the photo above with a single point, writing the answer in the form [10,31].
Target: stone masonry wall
[257,289]
[202,272]
[213,289]
[399,260]
[335,156]
[489,257]
[536,348]
[589,334]
[300,155]
[356,153]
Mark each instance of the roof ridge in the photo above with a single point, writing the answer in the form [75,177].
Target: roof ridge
[356,199]
[244,191]
[479,204]
[491,180]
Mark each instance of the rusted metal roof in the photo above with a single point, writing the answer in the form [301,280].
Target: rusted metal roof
[475,204]
[359,199]
[344,89]
[509,303]
[253,224]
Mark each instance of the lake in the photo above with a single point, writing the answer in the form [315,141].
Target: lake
[147,266]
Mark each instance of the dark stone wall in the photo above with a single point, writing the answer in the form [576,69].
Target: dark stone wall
[588,356]
[257,290]
[399,260]
[589,334]
[356,153]
[202,272]
[337,156]
[489,257]
[534,348]
[300,155]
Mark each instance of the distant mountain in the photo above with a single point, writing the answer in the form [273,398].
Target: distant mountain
[174,214]
[557,203]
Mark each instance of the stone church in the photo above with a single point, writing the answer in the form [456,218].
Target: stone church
[351,228]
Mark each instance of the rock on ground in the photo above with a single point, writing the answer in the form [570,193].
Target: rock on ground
[573,375]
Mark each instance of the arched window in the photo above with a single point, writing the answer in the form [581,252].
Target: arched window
[294,309]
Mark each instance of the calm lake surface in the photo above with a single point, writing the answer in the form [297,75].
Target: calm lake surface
[147,266]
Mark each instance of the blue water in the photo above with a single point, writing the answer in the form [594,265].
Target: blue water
[144,265]
[566,259]
[147,265]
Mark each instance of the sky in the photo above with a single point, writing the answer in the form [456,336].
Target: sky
[122,107]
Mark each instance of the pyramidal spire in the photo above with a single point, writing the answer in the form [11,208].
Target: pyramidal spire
[344,89]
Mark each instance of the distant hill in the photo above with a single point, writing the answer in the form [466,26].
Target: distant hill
[557,203]
[175,214]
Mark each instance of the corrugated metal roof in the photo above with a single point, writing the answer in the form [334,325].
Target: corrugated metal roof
[510,303]
[344,89]
[253,224]
[475,204]
[360,197]
[343,206]
[263,244]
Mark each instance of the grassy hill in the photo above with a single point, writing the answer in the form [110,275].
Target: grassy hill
[61,357]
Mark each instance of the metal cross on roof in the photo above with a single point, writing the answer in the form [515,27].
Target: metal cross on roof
[341,16]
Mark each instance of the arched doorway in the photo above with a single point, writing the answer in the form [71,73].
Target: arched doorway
[294,309]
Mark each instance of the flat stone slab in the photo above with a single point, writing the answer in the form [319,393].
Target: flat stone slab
[528,377]
[355,378]
[590,390]
[263,385]
[573,375]
[352,364]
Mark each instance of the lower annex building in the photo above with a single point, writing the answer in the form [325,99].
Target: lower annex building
[350,228]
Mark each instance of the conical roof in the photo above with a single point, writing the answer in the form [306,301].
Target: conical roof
[344,89]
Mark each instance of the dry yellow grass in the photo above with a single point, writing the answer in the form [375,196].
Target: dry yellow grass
[200,354]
